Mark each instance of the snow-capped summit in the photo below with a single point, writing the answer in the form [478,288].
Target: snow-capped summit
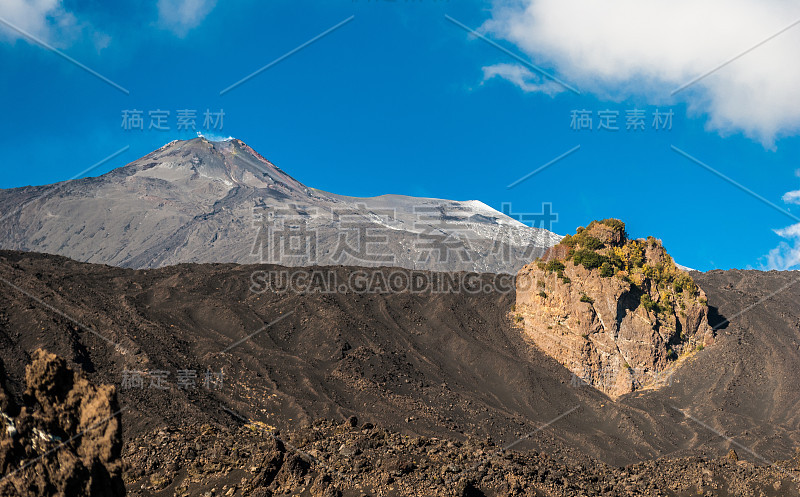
[204,200]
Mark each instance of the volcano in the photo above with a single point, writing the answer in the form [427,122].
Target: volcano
[207,201]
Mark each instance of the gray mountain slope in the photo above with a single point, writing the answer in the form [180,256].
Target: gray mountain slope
[220,201]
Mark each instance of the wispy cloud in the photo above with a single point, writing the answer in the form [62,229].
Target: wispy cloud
[522,77]
[792,197]
[180,16]
[48,20]
[787,254]
[619,48]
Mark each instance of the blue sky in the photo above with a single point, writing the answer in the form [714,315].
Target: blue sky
[402,100]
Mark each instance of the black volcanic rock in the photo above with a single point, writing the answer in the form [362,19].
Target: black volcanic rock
[449,365]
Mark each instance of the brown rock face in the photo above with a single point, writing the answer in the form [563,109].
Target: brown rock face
[66,438]
[616,312]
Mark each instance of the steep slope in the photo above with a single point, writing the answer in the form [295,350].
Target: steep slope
[204,201]
[447,364]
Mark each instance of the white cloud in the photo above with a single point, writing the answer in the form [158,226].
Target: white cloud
[523,78]
[47,20]
[180,16]
[617,48]
[792,197]
[787,254]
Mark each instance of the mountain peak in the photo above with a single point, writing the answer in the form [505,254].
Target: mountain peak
[203,200]
[225,163]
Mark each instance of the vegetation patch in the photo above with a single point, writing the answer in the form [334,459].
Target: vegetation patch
[644,264]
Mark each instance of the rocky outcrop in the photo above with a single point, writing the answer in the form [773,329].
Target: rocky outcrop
[616,312]
[65,439]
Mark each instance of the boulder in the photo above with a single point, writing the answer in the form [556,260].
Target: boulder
[65,439]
